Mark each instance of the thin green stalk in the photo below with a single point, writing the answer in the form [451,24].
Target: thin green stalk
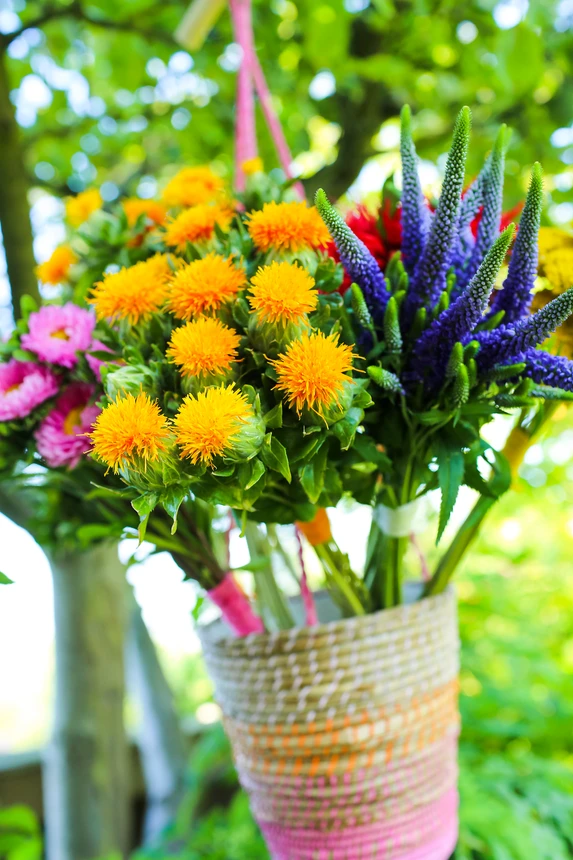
[269,595]
[465,536]
[331,566]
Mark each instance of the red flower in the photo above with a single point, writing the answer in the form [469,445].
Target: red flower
[380,231]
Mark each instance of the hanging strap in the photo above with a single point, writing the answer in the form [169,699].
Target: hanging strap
[251,78]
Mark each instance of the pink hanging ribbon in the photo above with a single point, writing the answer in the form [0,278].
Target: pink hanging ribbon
[251,78]
[235,607]
[311,616]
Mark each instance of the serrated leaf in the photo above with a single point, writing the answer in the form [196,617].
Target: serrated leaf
[312,475]
[450,478]
[171,499]
[257,472]
[274,417]
[345,429]
[144,505]
[274,455]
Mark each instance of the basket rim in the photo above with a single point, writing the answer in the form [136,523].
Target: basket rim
[214,634]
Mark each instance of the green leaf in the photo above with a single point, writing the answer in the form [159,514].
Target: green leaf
[144,505]
[345,429]
[312,475]
[4,580]
[450,477]
[274,417]
[94,531]
[18,818]
[257,472]
[274,455]
[24,355]
[172,499]
[28,305]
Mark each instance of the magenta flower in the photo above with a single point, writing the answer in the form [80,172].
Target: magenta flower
[96,363]
[58,332]
[23,386]
[61,438]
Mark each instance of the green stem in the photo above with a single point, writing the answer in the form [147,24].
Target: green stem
[465,536]
[332,562]
[269,595]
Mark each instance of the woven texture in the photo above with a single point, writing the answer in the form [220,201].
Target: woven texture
[345,734]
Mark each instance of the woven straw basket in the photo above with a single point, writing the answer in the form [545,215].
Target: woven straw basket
[345,734]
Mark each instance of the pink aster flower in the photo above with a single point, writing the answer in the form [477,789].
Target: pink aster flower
[61,438]
[96,363]
[23,386]
[58,332]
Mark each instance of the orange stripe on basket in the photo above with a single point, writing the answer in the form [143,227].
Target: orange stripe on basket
[332,764]
[314,765]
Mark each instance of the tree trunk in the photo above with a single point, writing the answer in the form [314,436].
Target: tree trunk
[162,748]
[86,766]
[14,209]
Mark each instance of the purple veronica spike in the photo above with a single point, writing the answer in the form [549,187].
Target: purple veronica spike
[554,370]
[510,341]
[488,229]
[356,258]
[460,319]
[515,298]
[429,279]
[415,212]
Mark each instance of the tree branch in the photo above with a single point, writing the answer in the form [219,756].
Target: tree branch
[76,11]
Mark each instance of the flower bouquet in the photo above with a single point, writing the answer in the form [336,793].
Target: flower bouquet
[238,373]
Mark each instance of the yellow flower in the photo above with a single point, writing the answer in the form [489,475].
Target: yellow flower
[191,186]
[312,372]
[55,270]
[282,293]
[197,225]
[203,347]
[556,268]
[80,207]
[129,429]
[207,424]
[134,293]
[134,207]
[252,165]
[287,227]
[204,285]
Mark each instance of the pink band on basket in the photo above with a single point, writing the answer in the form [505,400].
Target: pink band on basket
[235,607]
[352,843]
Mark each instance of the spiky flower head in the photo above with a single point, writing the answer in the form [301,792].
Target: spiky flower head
[461,317]
[134,207]
[516,296]
[429,280]
[133,293]
[80,207]
[204,286]
[415,212]
[193,186]
[56,269]
[204,348]
[217,422]
[355,257]
[130,432]
[289,227]
[282,293]
[312,373]
[197,225]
